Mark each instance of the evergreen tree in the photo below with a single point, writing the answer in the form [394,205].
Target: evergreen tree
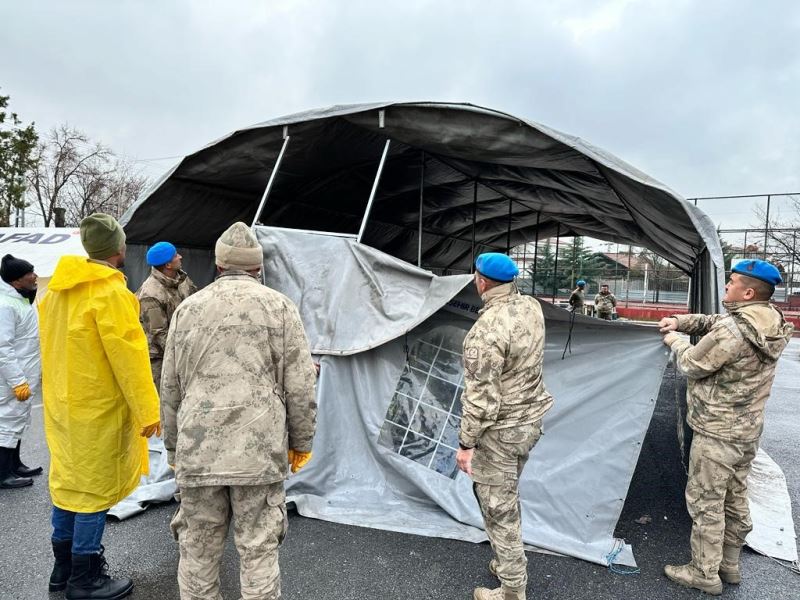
[17,145]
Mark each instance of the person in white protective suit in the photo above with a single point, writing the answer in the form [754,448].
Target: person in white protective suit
[20,366]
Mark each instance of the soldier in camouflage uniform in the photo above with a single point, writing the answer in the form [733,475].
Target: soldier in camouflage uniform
[503,402]
[161,293]
[730,372]
[237,397]
[576,298]
[604,303]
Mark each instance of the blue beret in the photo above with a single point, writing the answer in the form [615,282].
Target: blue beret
[160,253]
[758,269]
[496,266]
[580,282]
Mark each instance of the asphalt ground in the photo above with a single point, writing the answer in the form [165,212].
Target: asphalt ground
[322,561]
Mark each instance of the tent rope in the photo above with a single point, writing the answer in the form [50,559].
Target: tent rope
[612,556]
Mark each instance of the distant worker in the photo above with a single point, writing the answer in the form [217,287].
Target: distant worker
[99,405]
[503,402]
[604,303]
[576,298]
[160,294]
[730,373]
[20,367]
[237,387]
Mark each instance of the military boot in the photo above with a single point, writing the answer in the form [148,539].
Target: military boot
[8,479]
[501,593]
[729,567]
[691,577]
[62,551]
[89,580]
[21,469]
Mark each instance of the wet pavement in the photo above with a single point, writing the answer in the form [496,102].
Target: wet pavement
[327,561]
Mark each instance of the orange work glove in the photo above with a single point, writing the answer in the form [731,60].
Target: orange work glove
[298,459]
[151,430]
[22,391]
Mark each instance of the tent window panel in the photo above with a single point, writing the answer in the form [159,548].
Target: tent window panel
[424,416]
[392,436]
[429,422]
[418,448]
[400,410]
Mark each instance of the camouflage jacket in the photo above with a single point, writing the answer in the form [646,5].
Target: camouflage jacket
[731,368]
[503,356]
[605,303]
[237,388]
[158,297]
[576,298]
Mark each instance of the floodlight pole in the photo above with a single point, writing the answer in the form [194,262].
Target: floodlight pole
[794,253]
[766,228]
[474,219]
[264,197]
[374,190]
[421,199]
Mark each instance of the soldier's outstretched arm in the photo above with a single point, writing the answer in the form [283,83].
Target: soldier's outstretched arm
[714,351]
[484,357]
[299,383]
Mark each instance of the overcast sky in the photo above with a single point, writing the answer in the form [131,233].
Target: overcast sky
[702,95]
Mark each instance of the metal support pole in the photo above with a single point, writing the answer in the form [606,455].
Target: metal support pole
[744,248]
[535,254]
[766,228]
[374,190]
[271,181]
[508,235]
[791,272]
[616,272]
[555,264]
[628,287]
[421,199]
[524,260]
[474,219]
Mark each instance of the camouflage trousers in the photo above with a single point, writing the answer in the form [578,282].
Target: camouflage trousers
[604,315]
[497,464]
[716,498]
[259,525]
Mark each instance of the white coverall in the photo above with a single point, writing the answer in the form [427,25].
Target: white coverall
[19,362]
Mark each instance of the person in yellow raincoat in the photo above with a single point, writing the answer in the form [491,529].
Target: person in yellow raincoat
[100,404]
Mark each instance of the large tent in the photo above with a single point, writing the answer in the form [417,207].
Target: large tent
[367,214]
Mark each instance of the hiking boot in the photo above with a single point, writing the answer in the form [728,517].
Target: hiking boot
[89,580]
[729,567]
[690,576]
[501,593]
[62,551]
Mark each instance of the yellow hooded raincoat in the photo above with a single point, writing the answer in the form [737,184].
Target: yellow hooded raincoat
[96,384]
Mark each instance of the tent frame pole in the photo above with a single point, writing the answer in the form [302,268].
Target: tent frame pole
[268,189]
[535,254]
[474,220]
[508,234]
[421,200]
[374,190]
[555,264]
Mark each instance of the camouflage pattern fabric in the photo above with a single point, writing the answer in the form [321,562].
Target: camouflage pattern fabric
[259,526]
[731,369]
[716,497]
[237,388]
[605,304]
[159,296]
[576,299]
[496,468]
[503,355]
[503,403]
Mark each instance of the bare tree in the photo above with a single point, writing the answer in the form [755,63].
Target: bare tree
[78,177]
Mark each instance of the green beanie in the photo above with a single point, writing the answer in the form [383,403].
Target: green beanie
[101,236]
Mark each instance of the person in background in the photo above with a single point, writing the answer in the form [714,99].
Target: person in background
[604,303]
[238,399]
[504,401]
[576,298]
[160,294]
[730,373]
[100,405]
[20,367]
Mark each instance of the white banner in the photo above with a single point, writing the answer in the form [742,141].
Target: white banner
[41,246]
